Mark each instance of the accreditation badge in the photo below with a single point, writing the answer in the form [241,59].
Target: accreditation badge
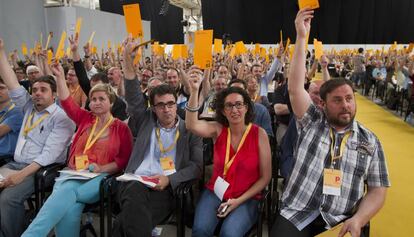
[332,180]
[167,165]
[81,162]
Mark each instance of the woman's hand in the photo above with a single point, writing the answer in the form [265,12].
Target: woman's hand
[231,204]
[94,168]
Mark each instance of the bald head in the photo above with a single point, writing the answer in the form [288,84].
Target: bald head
[314,92]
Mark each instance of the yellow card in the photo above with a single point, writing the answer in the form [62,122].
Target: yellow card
[176,52]
[410,48]
[133,21]
[287,44]
[81,162]
[312,4]
[68,52]
[138,56]
[94,50]
[281,37]
[167,163]
[291,51]
[184,51]
[333,232]
[318,48]
[233,52]
[263,52]
[257,49]
[202,48]
[48,41]
[49,56]
[78,26]
[109,44]
[24,49]
[190,38]
[218,45]
[240,48]
[61,46]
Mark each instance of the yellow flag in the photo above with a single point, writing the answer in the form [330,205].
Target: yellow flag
[263,52]
[291,51]
[312,4]
[410,48]
[78,26]
[287,44]
[24,49]
[232,52]
[68,52]
[133,21]
[203,41]
[218,45]
[94,49]
[61,46]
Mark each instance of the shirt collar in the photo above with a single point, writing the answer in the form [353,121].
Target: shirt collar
[50,109]
[177,122]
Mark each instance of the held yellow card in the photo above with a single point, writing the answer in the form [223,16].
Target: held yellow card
[203,43]
[312,4]
[133,20]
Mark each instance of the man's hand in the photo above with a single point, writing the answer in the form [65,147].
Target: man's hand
[57,70]
[303,22]
[196,77]
[12,180]
[163,182]
[352,225]
[74,43]
[128,61]
[86,49]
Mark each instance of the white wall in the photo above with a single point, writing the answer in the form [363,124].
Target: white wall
[21,21]
[24,20]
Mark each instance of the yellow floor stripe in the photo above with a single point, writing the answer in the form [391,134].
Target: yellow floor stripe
[397,137]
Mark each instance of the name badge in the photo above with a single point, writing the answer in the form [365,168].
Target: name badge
[332,180]
[19,146]
[167,165]
[81,162]
[220,187]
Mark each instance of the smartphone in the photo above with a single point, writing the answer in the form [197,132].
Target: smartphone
[222,209]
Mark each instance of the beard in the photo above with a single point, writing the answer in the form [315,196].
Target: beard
[338,120]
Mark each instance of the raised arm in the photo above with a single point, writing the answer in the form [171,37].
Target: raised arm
[6,72]
[298,96]
[201,128]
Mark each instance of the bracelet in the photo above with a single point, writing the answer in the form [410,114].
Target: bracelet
[189,109]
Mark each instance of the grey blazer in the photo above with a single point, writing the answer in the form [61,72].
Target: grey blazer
[189,154]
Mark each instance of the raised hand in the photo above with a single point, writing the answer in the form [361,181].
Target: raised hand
[196,77]
[303,22]
[87,49]
[74,43]
[57,70]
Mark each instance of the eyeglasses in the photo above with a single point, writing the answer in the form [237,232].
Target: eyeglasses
[162,105]
[229,106]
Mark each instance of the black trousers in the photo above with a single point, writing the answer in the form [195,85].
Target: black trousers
[141,209]
[284,228]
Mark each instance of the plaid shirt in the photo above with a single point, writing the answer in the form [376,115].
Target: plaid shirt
[362,162]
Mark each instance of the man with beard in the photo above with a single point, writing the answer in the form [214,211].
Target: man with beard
[335,157]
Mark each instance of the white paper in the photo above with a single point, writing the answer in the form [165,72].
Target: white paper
[73,174]
[220,187]
[169,172]
[329,190]
[132,177]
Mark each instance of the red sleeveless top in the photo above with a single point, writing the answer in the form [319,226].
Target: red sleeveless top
[244,171]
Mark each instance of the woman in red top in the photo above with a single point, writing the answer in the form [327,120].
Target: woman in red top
[242,164]
[101,144]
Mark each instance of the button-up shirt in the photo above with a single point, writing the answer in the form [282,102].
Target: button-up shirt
[13,119]
[362,162]
[48,141]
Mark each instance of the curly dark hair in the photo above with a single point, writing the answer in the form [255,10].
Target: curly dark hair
[218,105]
[332,84]
[161,90]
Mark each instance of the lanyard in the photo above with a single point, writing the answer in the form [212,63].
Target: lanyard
[8,110]
[228,162]
[72,92]
[161,146]
[341,146]
[29,127]
[92,139]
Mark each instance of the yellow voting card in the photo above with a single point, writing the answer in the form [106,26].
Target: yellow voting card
[218,45]
[133,21]
[203,42]
[61,46]
[312,4]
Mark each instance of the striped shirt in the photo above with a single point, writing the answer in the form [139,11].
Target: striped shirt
[363,161]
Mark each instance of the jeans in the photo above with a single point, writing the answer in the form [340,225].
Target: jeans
[237,223]
[12,210]
[63,209]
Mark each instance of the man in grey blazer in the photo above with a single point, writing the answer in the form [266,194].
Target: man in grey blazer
[164,151]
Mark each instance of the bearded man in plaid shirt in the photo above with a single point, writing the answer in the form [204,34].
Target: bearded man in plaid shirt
[335,157]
